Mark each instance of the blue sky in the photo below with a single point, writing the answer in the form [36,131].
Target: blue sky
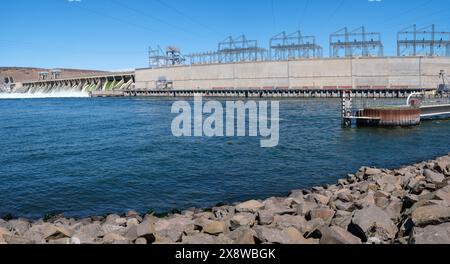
[115,34]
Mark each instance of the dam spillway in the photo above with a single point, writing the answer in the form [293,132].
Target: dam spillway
[86,84]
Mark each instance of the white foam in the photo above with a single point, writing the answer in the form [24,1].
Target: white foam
[62,94]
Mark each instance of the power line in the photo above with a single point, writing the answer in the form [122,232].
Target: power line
[54,47]
[114,18]
[273,15]
[181,13]
[401,15]
[303,14]
[337,9]
[137,11]
[432,14]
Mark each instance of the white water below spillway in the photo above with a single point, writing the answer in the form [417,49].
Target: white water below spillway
[59,94]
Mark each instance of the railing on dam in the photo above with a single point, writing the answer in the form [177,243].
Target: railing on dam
[85,77]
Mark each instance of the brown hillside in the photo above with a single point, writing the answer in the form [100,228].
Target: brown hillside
[20,74]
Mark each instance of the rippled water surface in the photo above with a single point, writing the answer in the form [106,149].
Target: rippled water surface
[94,156]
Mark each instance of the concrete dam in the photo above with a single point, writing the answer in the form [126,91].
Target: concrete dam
[376,73]
[293,65]
[320,77]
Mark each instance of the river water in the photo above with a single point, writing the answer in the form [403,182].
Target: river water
[82,156]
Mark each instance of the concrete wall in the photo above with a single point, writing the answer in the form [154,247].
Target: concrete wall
[376,72]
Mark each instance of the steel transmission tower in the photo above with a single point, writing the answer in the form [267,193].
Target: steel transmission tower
[357,42]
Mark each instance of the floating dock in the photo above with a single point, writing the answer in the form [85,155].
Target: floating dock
[410,114]
[389,116]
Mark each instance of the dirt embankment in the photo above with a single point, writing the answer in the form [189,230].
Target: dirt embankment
[22,74]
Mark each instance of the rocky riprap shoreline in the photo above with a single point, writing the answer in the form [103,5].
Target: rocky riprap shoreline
[375,206]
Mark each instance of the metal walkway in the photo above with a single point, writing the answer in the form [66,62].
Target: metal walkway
[435,110]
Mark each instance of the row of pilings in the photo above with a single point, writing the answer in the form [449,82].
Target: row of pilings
[265,93]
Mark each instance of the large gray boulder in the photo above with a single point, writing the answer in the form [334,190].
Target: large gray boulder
[430,215]
[242,219]
[443,195]
[439,234]
[372,221]
[114,238]
[266,217]
[342,219]
[433,177]
[344,195]
[115,219]
[215,227]
[131,233]
[366,200]
[109,228]
[323,213]
[286,221]
[38,233]
[442,164]
[313,225]
[223,212]
[252,206]
[242,236]
[344,206]
[20,226]
[394,209]
[305,207]
[57,232]
[317,198]
[372,171]
[146,229]
[141,241]
[277,236]
[337,235]
[281,205]
[88,234]
[199,239]
[3,233]
[174,227]
[389,183]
